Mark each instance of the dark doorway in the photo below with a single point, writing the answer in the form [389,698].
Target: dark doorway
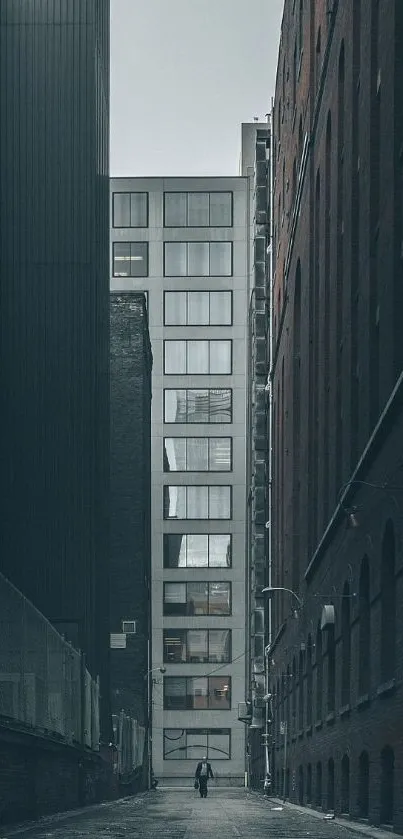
[363,785]
[330,785]
[387,782]
[345,784]
[318,796]
[301,785]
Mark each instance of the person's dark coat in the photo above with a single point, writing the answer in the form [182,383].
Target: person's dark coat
[199,768]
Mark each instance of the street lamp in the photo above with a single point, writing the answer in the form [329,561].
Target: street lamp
[270,589]
[150,683]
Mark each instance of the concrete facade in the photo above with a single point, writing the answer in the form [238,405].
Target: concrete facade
[336,519]
[155,284]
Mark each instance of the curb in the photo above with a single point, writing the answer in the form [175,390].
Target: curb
[8,830]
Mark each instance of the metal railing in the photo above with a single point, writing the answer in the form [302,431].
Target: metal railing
[44,684]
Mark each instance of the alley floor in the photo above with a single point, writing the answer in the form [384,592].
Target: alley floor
[182,814]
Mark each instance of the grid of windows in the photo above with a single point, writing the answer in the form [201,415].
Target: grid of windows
[198,209]
[197,259]
[197,550]
[197,357]
[130,209]
[199,693]
[197,646]
[191,743]
[207,598]
[193,405]
[198,308]
[130,259]
[197,454]
[197,502]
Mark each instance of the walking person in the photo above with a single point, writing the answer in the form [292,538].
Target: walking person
[203,773]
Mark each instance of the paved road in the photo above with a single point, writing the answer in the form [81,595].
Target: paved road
[181,814]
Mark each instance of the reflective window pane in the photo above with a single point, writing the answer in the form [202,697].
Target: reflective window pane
[198,308]
[220,406]
[197,598]
[219,646]
[175,549]
[175,406]
[220,259]
[220,550]
[174,744]
[220,209]
[175,505]
[219,598]
[175,308]
[121,259]
[220,502]
[175,454]
[197,454]
[175,646]
[220,692]
[175,259]
[175,693]
[219,744]
[198,209]
[175,204]
[121,209]
[130,259]
[198,259]
[138,209]
[197,550]
[197,502]
[196,745]
[198,406]
[197,357]
[220,308]
[197,646]
[174,357]
[175,599]
[220,357]
[220,454]
[197,693]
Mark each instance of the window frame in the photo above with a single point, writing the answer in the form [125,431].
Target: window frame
[203,242]
[180,567]
[207,629]
[196,677]
[208,583]
[130,226]
[187,471]
[202,192]
[208,487]
[130,276]
[199,422]
[199,291]
[201,731]
[209,341]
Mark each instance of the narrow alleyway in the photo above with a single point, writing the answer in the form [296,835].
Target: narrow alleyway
[181,814]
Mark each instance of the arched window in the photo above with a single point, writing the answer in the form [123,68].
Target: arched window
[330,784]
[318,788]
[387,785]
[345,785]
[309,784]
[331,670]
[363,785]
[309,682]
[388,605]
[319,673]
[301,709]
[301,785]
[364,659]
[345,646]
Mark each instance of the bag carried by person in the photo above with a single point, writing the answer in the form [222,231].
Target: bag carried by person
[196,784]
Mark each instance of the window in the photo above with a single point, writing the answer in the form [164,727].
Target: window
[197,502]
[197,646]
[199,693]
[190,743]
[130,259]
[197,357]
[197,550]
[198,209]
[130,209]
[198,308]
[197,259]
[208,405]
[207,598]
[197,454]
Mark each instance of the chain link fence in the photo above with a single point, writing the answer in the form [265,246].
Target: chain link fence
[43,681]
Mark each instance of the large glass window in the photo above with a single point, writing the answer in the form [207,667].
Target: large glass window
[197,454]
[198,308]
[197,550]
[197,646]
[207,598]
[190,743]
[197,259]
[201,693]
[188,406]
[130,259]
[197,357]
[130,209]
[198,209]
[197,502]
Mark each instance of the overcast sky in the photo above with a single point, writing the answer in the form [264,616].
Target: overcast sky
[184,75]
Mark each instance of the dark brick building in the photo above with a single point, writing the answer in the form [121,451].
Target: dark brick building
[337,379]
[131,363]
[54,315]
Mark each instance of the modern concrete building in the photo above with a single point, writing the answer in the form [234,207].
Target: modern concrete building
[184,241]
[54,316]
